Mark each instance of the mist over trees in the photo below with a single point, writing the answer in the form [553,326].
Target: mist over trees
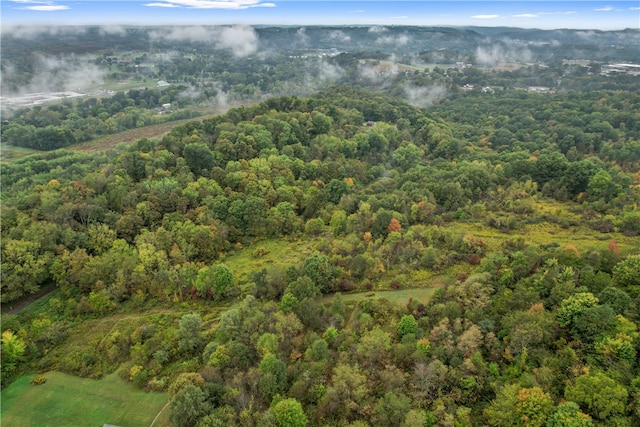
[390,247]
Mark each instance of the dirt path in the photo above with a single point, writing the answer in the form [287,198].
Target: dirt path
[158,414]
[22,304]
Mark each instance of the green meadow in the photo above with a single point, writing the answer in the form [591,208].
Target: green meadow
[69,401]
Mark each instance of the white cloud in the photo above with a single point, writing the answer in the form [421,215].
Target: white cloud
[32,31]
[117,30]
[378,29]
[485,16]
[525,15]
[505,51]
[302,37]
[209,4]
[329,72]
[400,40]
[161,5]
[60,73]
[47,7]
[604,9]
[568,12]
[634,8]
[41,6]
[423,97]
[340,36]
[240,40]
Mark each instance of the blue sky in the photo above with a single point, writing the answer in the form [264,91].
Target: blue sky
[602,15]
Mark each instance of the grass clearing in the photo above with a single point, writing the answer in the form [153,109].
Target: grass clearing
[398,297]
[546,234]
[280,253]
[9,152]
[65,400]
[152,131]
[128,136]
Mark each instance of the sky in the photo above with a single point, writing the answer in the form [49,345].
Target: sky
[550,14]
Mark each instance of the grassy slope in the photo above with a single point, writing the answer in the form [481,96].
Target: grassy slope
[9,152]
[69,401]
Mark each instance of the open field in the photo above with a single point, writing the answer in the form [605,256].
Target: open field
[65,400]
[127,137]
[398,297]
[551,234]
[9,152]
[132,135]
[267,254]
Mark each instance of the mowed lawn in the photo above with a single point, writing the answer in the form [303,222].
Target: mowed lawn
[69,401]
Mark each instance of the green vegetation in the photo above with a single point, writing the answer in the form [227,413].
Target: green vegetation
[72,401]
[61,125]
[343,258]
[8,152]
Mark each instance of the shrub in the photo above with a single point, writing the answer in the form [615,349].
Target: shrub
[260,252]
[157,384]
[39,379]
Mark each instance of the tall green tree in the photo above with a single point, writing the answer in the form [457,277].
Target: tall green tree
[599,395]
[200,158]
[273,376]
[13,347]
[568,414]
[190,333]
[289,413]
[188,406]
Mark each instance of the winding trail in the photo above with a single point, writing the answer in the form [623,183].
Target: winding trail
[158,414]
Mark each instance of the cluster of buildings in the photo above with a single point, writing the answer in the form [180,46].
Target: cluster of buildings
[633,69]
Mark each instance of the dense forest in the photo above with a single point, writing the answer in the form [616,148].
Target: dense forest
[260,256]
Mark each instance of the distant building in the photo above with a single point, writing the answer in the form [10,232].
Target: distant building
[541,89]
[164,109]
[162,83]
[631,69]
